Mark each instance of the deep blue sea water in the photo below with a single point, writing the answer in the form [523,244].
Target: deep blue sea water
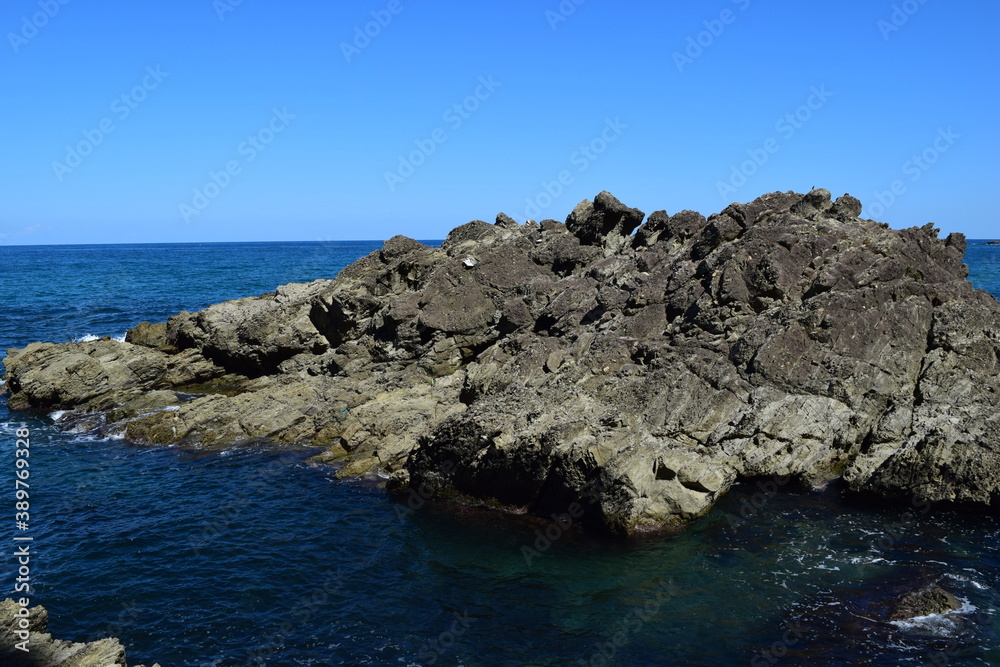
[251,557]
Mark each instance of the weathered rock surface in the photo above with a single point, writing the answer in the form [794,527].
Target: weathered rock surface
[43,650]
[928,600]
[642,368]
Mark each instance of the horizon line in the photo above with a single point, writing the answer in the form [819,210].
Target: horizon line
[130,243]
[135,243]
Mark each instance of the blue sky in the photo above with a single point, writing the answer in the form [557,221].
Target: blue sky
[220,120]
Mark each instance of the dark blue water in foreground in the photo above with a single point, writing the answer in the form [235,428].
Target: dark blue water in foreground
[250,557]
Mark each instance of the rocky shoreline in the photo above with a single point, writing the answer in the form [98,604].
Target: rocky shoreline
[24,642]
[636,367]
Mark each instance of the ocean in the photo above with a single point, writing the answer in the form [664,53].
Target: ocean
[253,557]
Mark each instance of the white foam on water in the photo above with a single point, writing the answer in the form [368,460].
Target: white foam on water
[969,580]
[868,533]
[86,338]
[867,560]
[937,625]
[57,415]
[142,414]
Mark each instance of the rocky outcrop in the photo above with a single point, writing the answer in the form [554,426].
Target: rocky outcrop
[640,368]
[44,651]
[924,602]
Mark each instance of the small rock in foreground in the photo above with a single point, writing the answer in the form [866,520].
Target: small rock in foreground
[44,651]
[926,601]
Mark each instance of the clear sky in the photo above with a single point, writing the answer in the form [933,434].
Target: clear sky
[231,120]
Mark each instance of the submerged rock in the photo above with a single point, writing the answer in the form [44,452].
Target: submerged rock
[638,368]
[25,643]
[899,607]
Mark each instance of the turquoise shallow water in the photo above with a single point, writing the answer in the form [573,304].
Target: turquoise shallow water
[252,557]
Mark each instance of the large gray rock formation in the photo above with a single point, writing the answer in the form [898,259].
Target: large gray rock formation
[538,365]
[39,649]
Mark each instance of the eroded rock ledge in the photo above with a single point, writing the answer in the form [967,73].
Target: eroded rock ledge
[642,366]
[42,650]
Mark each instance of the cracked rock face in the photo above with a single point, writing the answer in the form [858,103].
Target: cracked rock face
[640,368]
